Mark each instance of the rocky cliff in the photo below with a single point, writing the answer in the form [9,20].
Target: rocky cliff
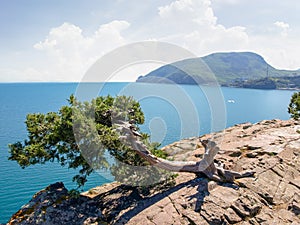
[270,148]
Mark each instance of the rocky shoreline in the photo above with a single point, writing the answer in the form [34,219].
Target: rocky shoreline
[270,148]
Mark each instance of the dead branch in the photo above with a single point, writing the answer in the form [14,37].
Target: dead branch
[205,166]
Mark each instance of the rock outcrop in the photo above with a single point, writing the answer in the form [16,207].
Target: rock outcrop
[54,205]
[270,148]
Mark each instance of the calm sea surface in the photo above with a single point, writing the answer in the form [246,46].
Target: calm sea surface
[172,112]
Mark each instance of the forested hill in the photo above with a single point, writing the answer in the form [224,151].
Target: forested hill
[230,69]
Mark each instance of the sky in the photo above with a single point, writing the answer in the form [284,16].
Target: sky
[58,40]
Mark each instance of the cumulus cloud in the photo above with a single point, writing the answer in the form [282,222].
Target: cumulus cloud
[279,45]
[69,53]
[66,53]
[188,23]
[192,24]
[281,52]
[195,12]
[284,27]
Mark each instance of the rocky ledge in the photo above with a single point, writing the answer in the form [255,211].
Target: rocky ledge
[270,148]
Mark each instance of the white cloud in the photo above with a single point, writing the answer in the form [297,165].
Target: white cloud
[281,52]
[284,27]
[279,45]
[68,53]
[192,24]
[188,23]
[190,13]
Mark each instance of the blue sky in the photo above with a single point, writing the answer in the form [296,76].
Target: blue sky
[59,40]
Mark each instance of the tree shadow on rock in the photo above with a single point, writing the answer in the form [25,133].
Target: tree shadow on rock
[139,204]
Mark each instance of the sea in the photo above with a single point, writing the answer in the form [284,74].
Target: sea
[172,112]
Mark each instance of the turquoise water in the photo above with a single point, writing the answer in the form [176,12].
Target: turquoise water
[172,113]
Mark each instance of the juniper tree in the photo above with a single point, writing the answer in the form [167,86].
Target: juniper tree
[294,106]
[80,135]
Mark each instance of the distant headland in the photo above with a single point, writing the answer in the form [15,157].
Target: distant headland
[232,69]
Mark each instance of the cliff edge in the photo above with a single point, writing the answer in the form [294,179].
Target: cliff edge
[270,148]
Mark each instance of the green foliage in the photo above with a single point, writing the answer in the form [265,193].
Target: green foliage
[79,135]
[287,82]
[264,83]
[154,148]
[74,193]
[269,83]
[294,106]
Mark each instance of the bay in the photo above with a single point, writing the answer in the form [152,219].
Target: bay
[172,112]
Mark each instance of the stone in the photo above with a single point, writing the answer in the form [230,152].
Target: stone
[231,216]
[271,197]
[54,205]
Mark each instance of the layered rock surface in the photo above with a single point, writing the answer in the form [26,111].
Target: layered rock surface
[270,148]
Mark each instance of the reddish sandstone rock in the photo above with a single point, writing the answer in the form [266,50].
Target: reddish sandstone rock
[270,148]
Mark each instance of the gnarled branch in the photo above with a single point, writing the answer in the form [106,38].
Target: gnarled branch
[205,166]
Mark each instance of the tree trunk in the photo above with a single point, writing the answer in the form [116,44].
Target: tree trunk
[205,166]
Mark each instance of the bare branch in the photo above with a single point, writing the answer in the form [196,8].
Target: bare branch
[205,166]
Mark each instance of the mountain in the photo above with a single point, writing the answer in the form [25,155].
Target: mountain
[229,69]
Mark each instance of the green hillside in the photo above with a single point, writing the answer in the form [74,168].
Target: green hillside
[230,69]
[270,83]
